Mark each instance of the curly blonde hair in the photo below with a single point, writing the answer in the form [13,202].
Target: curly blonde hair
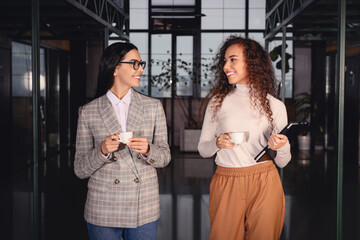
[261,75]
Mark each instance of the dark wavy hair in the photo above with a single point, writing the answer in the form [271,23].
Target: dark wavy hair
[111,57]
[261,75]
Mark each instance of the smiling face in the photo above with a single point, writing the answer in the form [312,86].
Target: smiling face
[235,65]
[125,76]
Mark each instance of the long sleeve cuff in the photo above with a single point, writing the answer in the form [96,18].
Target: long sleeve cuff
[208,149]
[283,155]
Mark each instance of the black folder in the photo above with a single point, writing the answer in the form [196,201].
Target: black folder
[291,131]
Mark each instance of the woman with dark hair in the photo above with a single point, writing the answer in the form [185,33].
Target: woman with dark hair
[123,191]
[246,197]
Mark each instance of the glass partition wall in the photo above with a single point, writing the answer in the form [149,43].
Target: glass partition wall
[54,99]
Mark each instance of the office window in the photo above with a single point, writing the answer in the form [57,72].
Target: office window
[139,18]
[161,62]
[257,14]
[138,14]
[219,20]
[184,65]
[288,75]
[228,14]
[173,2]
[234,18]
[259,37]
[140,40]
[22,70]
[213,19]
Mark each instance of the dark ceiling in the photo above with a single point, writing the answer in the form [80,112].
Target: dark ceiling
[316,19]
[64,19]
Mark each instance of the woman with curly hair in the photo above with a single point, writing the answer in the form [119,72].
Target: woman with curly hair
[246,197]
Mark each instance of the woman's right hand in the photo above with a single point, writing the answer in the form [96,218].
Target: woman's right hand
[223,141]
[110,144]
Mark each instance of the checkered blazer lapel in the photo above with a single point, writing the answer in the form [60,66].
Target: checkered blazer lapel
[136,112]
[108,115]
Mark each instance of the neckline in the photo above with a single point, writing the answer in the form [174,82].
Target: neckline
[242,89]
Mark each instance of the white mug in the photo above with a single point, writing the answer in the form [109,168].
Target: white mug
[239,137]
[124,137]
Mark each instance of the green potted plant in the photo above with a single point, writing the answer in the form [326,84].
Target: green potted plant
[275,55]
[302,105]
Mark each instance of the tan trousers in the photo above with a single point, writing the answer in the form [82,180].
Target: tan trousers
[250,198]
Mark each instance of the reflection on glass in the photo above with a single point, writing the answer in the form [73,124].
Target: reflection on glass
[22,102]
[21,138]
[21,106]
[22,70]
[185,216]
[287,220]
[164,231]
[205,218]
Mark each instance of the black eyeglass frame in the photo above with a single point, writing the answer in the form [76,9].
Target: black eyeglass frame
[136,62]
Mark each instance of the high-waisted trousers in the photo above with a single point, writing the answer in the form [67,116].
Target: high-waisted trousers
[246,203]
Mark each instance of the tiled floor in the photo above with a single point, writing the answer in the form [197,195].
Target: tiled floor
[309,183]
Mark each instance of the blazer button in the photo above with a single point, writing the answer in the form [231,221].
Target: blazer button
[117,181]
[114,158]
[136,180]
[138,156]
[152,160]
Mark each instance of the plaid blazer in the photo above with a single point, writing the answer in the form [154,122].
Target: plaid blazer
[123,191]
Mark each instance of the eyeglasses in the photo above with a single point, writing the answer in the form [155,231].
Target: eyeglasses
[136,64]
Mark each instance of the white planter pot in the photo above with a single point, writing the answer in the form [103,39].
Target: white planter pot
[304,142]
[189,139]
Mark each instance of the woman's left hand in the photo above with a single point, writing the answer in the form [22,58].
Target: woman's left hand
[277,141]
[139,145]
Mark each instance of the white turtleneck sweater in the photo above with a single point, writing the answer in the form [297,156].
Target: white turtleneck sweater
[237,114]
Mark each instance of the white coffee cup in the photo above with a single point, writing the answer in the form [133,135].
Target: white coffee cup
[239,137]
[124,137]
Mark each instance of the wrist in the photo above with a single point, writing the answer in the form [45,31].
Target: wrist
[102,151]
[147,151]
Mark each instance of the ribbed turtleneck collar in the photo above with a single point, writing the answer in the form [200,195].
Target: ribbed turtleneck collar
[241,89]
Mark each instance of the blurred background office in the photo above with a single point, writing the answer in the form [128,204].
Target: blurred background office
[49,55]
